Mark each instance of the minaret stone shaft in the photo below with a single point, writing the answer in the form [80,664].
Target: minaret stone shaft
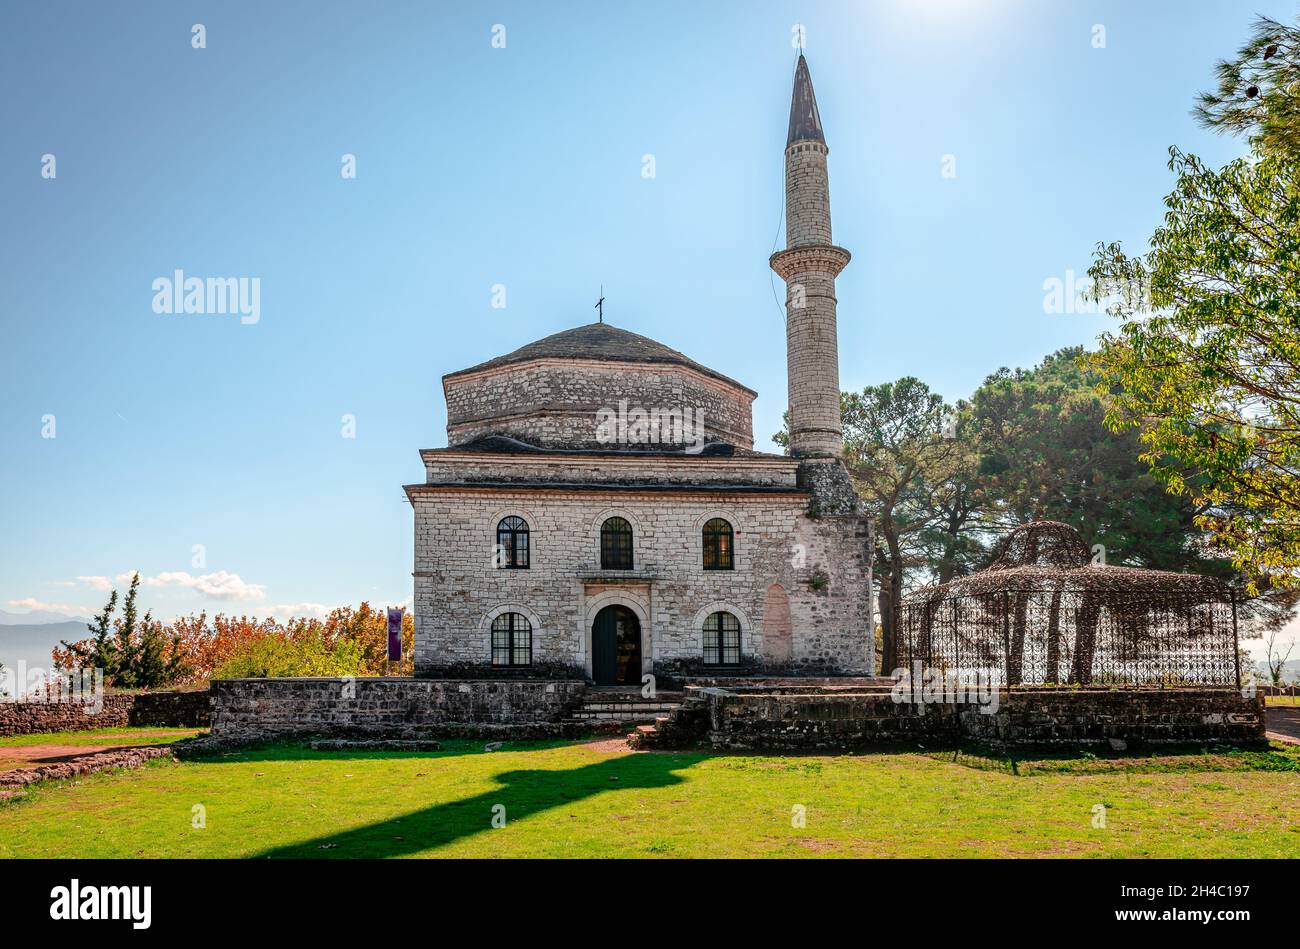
[809,266]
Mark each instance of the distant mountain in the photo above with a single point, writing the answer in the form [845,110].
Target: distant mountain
[1290,670]
[38,618]
[32,642]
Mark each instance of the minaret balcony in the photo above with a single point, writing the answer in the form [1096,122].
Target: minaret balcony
[826,258]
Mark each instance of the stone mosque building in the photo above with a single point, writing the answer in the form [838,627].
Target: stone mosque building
[600,509]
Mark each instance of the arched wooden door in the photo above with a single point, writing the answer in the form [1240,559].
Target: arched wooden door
[616,647]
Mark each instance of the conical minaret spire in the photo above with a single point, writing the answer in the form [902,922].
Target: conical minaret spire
[805,120]
[809,266]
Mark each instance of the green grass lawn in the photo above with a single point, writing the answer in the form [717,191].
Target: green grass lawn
[1287,701]
[102,736]
[565,799]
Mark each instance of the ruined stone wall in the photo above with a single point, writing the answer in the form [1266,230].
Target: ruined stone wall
[794,721]
[819,564]
[254,708]
[119,709]
[553,403]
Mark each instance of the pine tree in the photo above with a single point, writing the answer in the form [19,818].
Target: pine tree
[127,647]
[102,653]
[150,667]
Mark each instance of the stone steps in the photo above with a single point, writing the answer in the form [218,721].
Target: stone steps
[679,728]
[621,708]
[601,707]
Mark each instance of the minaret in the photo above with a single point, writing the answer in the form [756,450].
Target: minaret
[809,265]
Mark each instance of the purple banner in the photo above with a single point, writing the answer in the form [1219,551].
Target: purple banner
[395,632]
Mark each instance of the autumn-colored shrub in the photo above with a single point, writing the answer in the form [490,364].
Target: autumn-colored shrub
[280,656]
[353,640]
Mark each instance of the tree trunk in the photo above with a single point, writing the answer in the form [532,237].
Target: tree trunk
[1016,655]
[889,603]
[1085,638]
[1054,637]
[888,650]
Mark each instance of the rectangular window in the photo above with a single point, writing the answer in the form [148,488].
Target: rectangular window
[500,647]
[731,646]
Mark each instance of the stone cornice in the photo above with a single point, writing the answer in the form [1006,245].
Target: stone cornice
[613,459]
[596,487]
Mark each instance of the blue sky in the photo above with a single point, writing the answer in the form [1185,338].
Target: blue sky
[519,166]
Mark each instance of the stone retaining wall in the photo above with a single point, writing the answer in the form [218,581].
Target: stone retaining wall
[118,709]
[807,722]
[172,709]
[400,707]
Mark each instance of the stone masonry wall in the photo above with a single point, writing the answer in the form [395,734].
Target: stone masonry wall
[252,708]
[807,195]
[158,709]
[819,564]
[553,403]
[794,721]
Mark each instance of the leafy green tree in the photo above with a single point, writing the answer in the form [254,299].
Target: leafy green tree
[902,449]
[1046,453]
[1206,363]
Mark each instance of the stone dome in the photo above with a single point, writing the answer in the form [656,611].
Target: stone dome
[554,392]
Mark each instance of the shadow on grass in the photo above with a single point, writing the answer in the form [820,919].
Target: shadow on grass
[294,750]
[521,794]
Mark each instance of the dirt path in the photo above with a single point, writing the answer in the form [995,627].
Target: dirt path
[17,757]
[1283,723]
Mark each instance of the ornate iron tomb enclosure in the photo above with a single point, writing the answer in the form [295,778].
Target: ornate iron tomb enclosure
[1043,614]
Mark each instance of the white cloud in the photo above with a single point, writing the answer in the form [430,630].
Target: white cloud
[219,586]
[98,583]
[31,603]
[290,610]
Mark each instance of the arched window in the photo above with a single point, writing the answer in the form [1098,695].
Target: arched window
[718,548]
[616,544]
[512,543]
[721,640]
[512,640]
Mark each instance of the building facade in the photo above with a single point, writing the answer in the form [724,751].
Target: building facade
[600,509]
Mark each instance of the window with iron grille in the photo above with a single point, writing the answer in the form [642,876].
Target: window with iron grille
[616,544]
[512,543]
[721,640]
[512,640]
[718,545]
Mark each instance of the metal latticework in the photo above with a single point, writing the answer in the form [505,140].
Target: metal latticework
[1042,615]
